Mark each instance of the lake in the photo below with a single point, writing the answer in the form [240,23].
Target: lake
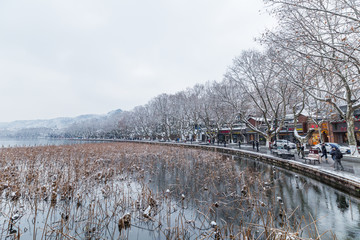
[141,191]
[27,142]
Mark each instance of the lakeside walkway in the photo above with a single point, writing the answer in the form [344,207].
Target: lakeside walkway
[351,164]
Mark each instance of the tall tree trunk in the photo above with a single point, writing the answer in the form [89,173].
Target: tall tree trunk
[351,131]
[268,140]
[231,135]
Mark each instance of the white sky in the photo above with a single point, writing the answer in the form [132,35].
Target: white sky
[64,58]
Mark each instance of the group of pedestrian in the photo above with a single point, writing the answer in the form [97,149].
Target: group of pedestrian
[336,155]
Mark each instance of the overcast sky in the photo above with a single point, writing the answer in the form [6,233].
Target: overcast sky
[71,57]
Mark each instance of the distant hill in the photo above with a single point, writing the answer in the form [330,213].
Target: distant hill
[57,126]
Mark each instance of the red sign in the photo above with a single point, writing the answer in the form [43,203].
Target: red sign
[225,131]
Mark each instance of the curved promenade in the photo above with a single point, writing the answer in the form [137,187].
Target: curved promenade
[342,180]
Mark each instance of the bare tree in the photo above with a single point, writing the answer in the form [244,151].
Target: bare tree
[126,128]
[161,109]
[295,70]
[326,34]
[211,115]
[144,120]
[258,76]
[180,113]
[193,102]
[234,102]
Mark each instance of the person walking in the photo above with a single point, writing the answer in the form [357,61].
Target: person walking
[337,155]
[332,153]
[302,150]
[298,149]
[324,152]
[257,146]
[253,142]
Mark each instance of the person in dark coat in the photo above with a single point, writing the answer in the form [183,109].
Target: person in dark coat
[337,155]
[253,144]
[298,149]
[332,153]
[257,146]
[302,151]
[324,152]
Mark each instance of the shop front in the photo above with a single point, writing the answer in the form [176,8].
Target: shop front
[235,134]
[322,136]
[238,136]
[287,132]
[251,135]
[224,135]
[340,132]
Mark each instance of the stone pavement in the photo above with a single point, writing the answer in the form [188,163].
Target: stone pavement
[351,164]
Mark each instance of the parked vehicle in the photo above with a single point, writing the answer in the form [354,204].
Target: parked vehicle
[329,146]
[284,143]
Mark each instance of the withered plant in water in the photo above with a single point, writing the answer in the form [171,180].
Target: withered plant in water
[113,190]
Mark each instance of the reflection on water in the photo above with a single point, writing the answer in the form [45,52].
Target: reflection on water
[293,198]
[27,142]
[331,209]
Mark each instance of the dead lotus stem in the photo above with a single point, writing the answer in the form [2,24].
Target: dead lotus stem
[92,184]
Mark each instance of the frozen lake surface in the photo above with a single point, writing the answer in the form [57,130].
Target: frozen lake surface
[140,191]
[26,142]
